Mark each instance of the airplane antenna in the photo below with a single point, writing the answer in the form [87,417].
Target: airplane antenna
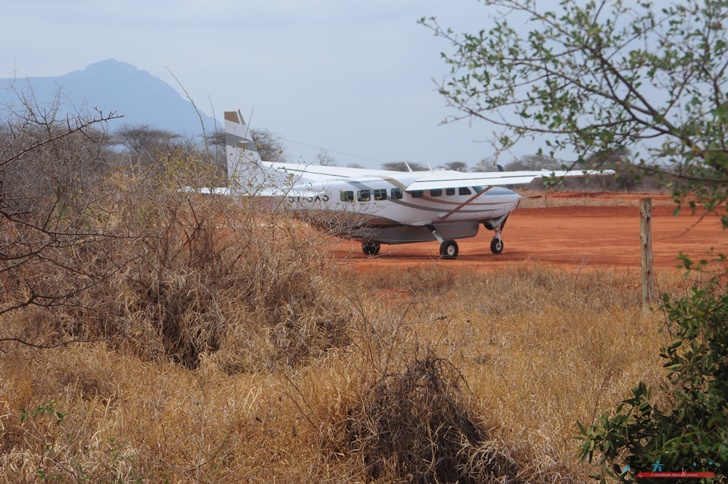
[409,168]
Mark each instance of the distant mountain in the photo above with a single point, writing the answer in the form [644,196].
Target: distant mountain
[116,86]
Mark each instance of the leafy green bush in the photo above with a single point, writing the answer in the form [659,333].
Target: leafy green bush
[692,434]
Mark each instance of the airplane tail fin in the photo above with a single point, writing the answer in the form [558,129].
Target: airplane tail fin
[238,139]
[244,167]
[247,173]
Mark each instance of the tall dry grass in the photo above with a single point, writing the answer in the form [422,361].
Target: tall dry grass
[519,357]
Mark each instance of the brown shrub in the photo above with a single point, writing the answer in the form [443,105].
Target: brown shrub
[222,275]
[416,426]
[178,274]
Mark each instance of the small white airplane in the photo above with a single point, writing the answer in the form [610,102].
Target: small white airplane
[380,206]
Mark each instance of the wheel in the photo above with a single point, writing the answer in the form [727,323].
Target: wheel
[449,249]
[370,248]
[496,245]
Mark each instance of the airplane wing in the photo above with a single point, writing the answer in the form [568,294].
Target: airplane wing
[243,159]
[454,179]
[312,172]
[297,192]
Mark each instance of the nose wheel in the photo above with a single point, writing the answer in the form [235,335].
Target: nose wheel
[496,245]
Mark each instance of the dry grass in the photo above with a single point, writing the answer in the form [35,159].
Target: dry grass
[539,349]
[503,364]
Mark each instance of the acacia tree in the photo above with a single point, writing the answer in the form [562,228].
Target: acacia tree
[595,76]
[403,166]
[325,158]
[269,145]
[144,144]
[538,161]
[456,166]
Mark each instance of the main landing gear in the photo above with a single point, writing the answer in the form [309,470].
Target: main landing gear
[370,248]
[448,247]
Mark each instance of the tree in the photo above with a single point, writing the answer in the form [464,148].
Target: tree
[533,162]
[404,166]
[597,79]
[269,145]
[49,165]
[325,158]
[486,165]
[145,143]
[456,166]
[596,75]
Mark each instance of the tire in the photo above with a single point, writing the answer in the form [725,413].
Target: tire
[449,249]
[496,245]
[370,248]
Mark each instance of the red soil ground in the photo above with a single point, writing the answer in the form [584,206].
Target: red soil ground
[566,230]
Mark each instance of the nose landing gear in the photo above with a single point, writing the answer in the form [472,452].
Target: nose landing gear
[496,245]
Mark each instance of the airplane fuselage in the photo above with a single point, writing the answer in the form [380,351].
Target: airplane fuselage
[380,210]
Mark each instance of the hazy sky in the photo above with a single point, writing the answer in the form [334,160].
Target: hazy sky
[356,78]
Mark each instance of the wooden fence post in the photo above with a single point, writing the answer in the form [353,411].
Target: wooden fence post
[648,282]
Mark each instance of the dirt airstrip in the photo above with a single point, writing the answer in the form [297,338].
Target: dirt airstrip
[570,230]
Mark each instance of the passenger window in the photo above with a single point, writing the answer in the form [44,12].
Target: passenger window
[396,194]
[346,196]
[380,194]
[417,193]
[436,192]
[364,195]
[478,188]
[464,191]
[450,191]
